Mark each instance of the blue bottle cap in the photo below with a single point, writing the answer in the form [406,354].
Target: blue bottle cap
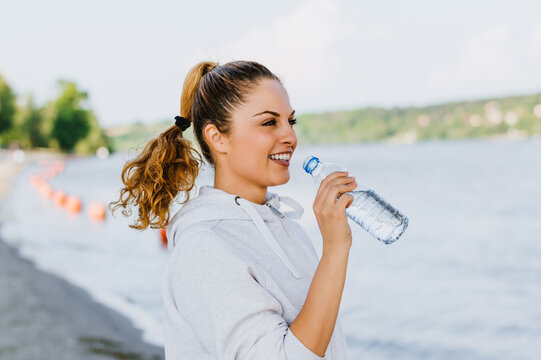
[310,164]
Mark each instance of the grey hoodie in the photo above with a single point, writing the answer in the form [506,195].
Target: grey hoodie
[237,276]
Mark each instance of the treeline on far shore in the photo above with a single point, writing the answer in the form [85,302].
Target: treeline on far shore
[68,125]
[65,124]
[515,117]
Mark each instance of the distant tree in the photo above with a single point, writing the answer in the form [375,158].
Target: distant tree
[96,138]
[32,124]
[7,106]
[71,122]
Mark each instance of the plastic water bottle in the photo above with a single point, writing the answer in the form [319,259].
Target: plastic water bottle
[368,209]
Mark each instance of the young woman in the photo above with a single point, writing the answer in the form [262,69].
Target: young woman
[243,279]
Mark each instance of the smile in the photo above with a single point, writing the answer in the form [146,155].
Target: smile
[281,158]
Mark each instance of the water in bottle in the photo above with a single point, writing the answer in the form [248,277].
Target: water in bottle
[368,209]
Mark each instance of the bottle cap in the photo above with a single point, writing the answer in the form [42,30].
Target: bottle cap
[310,163]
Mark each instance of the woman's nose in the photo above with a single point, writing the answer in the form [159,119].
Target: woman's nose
[288,135]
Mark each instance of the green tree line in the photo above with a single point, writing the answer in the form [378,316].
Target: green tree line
[510,117]
[65,123]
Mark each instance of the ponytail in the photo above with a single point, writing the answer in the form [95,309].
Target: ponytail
[167,165]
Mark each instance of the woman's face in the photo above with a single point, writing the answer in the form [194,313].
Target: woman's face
[262,126]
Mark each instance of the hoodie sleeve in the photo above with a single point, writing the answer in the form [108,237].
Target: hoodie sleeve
[233,315]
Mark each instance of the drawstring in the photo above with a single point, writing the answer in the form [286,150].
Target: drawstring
[245,204]
[274,204]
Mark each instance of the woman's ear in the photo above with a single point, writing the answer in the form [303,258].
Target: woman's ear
[215,139]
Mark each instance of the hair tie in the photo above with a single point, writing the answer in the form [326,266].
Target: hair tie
[182,122]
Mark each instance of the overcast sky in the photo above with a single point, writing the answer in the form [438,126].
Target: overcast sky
[132,56]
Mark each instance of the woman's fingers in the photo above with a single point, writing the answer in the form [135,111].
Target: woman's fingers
[338,186]
[322,191]
[329,179]
[329,191]
[339,191]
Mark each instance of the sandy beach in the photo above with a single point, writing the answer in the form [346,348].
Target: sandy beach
[44,317]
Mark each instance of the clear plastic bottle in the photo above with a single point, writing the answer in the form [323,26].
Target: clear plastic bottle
[368,209]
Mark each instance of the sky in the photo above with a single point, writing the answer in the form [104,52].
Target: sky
[132,56]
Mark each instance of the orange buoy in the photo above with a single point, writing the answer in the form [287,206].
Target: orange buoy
[46,190]
[59,198]
[163,237]
[96,211]
[73,204]
[34,180]
[48,174]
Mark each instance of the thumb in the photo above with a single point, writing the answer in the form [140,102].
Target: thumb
[347,199]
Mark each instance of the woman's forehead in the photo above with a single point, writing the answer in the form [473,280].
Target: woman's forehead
[269,97]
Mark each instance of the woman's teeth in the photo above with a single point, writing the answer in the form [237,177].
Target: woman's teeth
[280,157]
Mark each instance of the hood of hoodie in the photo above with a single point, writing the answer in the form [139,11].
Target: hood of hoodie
[215,204]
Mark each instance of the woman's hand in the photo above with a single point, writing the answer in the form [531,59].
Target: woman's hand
[331,213]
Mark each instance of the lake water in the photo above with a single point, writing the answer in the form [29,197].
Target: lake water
[463,281]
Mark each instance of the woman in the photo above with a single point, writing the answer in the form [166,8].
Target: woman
[243,279]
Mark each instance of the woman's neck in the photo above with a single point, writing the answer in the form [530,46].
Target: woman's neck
[250,192]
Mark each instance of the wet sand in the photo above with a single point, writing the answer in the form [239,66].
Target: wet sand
[44,317]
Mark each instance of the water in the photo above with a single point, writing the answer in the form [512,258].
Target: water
[368,209]
[376,216]
[463,282]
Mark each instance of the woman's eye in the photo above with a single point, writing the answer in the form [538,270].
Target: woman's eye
[269,122]
[273,121]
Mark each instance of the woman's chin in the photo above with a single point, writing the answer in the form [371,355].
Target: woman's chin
[281,181]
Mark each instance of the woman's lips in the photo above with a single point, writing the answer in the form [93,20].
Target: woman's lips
[281,162]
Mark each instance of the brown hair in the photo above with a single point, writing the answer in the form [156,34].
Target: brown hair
[169,163]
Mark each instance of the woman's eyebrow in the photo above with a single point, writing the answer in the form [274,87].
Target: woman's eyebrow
[274,113]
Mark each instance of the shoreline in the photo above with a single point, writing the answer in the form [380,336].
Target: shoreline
[47,317]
